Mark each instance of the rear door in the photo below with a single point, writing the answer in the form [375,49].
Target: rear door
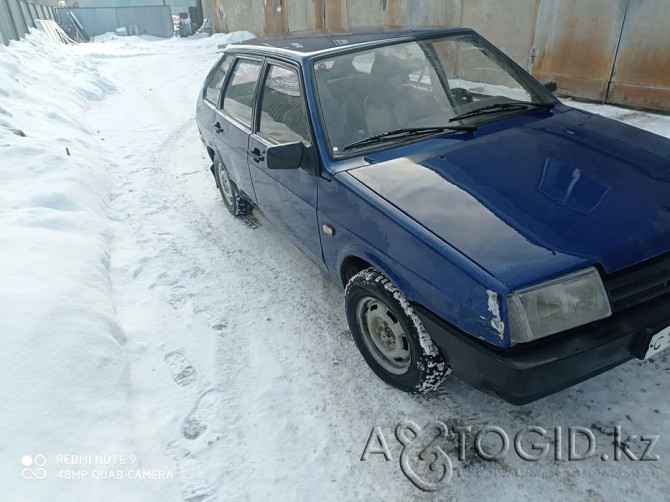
[286,197]
[211,98]
[233,121]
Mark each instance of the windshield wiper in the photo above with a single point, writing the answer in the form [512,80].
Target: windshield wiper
[501,107]
[406,132]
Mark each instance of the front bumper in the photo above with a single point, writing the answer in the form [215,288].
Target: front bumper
[531,371]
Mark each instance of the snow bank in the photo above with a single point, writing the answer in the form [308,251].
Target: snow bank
[214,41]
[62,367]
[652,122]
[110,44]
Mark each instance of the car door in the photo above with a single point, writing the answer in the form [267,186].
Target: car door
[286,197]
[211,98]
[233,121]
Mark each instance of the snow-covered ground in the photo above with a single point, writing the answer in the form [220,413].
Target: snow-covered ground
[151,338]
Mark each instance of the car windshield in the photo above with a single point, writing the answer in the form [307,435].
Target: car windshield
[418,85]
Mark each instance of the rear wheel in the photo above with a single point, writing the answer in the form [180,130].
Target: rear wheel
[231,196]
[390,336]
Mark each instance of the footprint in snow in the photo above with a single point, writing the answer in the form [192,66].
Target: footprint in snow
[199,492]
[183,373]
[195,488]
[196,423]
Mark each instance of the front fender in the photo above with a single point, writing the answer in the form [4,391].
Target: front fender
[381,262]
[428,273]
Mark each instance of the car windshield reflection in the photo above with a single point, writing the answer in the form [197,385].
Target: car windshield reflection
[416,84]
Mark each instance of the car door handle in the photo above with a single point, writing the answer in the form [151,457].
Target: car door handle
[218,128]
[256,155]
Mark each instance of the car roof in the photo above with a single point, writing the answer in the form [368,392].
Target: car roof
[302,44]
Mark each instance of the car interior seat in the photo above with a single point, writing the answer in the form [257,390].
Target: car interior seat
[385,105]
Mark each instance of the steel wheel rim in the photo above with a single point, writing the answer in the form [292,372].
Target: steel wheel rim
[224,183]
[383,335]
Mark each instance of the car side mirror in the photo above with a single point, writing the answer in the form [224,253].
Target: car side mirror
[552,87]
[285,156]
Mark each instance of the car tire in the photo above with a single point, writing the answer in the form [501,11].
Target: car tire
[390,336]
[229,192]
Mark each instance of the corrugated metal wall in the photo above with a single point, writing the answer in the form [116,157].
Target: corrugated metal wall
[176,5]
[17,16]
[7,30]
[615,51]
[155,20]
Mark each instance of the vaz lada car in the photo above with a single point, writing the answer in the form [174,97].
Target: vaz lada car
[476,223]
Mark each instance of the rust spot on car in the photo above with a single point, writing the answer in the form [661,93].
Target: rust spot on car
[494,309]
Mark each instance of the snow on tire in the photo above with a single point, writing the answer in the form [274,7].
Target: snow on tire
[390,335]
[229,192]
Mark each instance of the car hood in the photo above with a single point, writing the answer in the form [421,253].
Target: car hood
[531,202]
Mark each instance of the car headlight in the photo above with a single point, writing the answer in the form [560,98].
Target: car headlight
[557,305]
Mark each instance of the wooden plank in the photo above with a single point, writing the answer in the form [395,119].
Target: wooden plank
[53,30]
[274,17]
[336,16]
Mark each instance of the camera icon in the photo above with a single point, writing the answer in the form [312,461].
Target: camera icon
[33,467]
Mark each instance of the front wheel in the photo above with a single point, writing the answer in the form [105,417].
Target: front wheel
[231,196]
[390,336]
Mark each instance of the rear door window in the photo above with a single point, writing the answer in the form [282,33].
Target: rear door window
[239,96]
[215,83]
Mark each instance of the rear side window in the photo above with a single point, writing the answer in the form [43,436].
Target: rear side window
[283,117]
[213,89]
[238,98]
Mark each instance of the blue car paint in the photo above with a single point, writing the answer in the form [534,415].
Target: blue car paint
[538,200]
[426,255]
[205,115]
[370,228]
[288,199]
[204,112]
[231,145]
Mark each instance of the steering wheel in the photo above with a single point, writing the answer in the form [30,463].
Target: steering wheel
[461,96]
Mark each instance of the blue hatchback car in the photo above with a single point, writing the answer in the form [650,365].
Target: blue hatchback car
[476,223]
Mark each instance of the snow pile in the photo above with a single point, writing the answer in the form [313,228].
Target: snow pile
[111,45]
[652,122]
[215,40]
[62,366]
